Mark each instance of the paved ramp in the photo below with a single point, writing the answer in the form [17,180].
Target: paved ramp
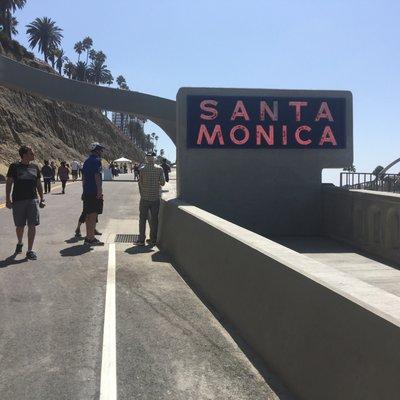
[168,344]
[346,259]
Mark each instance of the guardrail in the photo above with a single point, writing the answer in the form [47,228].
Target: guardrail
[368,181]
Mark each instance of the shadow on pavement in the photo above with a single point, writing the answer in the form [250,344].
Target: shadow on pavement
[77,250]
[11,261]
[139,249]
[57,194]
[74,239]
[160,257]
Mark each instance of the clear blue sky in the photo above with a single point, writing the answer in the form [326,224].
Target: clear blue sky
[161,45]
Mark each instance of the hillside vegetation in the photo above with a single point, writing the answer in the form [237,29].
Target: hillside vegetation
[55,130]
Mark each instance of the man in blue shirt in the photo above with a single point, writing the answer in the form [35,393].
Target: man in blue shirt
[92,192]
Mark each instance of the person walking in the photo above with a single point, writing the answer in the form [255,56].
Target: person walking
[63,175]
[23,178]
[92,192]
[151,179]
[47,173]
[166,168]
[136,172]
[54,169]
[74,170]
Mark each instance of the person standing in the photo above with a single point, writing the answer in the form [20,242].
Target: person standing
[74,170]
[47,173]
[24,179]
[151,179]
[166,168]
[92,192]
[63,175]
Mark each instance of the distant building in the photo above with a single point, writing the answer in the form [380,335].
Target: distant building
[122,121]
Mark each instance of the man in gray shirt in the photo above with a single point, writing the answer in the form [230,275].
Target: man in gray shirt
[151,179]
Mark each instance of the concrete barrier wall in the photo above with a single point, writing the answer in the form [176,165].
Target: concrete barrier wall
[365,219]
[327,335]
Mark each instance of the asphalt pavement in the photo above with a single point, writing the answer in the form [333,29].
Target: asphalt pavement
[169,345]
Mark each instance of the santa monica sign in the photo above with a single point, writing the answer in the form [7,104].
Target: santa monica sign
[266,122]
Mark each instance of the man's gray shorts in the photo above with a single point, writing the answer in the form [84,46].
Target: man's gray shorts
[26,212]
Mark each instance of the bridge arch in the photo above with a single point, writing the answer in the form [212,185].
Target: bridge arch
[159,110]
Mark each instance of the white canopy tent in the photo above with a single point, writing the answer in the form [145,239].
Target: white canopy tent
[123,160]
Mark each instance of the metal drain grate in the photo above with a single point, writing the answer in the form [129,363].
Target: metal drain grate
[125,238]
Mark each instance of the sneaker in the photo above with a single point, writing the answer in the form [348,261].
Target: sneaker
[139,242]
[150,242]
[18,248]
[31,255]
[96,232]
[93,242]
[78,233]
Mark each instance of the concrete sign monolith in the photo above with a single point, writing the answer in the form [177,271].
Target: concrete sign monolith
[255,156]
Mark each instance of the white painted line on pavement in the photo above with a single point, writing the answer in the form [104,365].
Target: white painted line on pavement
[108,380]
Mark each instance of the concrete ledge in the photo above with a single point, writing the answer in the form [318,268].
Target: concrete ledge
[327,335]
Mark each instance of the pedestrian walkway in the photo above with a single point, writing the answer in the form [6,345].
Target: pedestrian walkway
[347,259]
[168,344]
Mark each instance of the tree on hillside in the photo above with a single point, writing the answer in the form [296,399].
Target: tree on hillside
[52,55]
[44,33]
[162,153]
[13,26]
[7,8]
[120,81]
[69,69]
[87,43]
[80,71]
[97,71]
[377,170]
[61,59]
[79,48]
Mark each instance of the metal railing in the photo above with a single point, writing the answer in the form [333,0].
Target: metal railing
[368,181]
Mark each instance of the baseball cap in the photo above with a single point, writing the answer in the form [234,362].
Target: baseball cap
[95,146]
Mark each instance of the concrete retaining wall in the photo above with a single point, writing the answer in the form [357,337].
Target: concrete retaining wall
[365,219]
[327,335]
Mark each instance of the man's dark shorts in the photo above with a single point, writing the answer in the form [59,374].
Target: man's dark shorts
[26,212]
[91,204]
[75,173]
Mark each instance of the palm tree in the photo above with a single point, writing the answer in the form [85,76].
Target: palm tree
[97,71]
[153,135]
[79,49]
[120,81]
[13,26]
[80,71]
[87,43]
[52,54]
[61,59]
[69,69]
[44,33]
[156,138]
[7,8]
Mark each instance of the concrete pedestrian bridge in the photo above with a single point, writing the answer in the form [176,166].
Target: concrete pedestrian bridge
[294,296]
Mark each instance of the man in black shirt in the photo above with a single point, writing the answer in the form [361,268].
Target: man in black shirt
[24,178]
[47,174]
